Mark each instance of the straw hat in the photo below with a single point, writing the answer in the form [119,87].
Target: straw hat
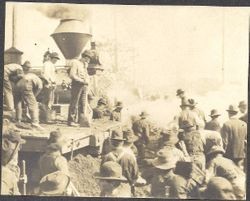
[110,171]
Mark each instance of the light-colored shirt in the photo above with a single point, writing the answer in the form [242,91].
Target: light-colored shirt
[29,82]
[49,71]
[78,71]
[11,68]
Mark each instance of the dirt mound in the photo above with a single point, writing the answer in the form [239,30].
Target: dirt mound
[82,169]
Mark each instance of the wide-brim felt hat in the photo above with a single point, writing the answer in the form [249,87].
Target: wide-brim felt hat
[165,160]
[192,102]
[216,149]
[110,171]
[117,135]
[87,53]
[129,136]
[179,91]
[144,114]
[54,183]
[214,113]
[232,108]
[27,64]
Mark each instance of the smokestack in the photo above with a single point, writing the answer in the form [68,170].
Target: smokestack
[71,36]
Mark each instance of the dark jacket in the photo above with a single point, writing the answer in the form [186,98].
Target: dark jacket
[234,134]
[52,161]
[160,183]
[126,158]
[141,129]
[213,125]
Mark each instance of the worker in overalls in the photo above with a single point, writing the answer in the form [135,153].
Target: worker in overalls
[12,73]
[79,87]
[26,92]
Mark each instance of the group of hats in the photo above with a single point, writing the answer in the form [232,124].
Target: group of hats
[125,135]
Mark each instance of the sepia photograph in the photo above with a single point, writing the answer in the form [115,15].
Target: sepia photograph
[125,101]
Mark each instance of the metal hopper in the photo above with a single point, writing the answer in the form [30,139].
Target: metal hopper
[71,36]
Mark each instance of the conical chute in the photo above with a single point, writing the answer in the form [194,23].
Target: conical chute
[71,37]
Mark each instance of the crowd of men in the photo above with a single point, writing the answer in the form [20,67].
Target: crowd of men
[195,158]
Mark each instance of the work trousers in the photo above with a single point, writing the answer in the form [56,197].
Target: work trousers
[78,101]
[29,99]
[8,94]
[47,102]
[140,145]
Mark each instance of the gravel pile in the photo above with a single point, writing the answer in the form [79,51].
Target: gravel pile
[82,169]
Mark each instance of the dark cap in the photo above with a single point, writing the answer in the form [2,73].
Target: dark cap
[54,55]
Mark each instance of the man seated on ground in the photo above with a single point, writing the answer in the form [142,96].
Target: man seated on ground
[111,181]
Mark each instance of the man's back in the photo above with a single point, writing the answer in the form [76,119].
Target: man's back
[213,125]
[29,82]
[52,162]
[234,134]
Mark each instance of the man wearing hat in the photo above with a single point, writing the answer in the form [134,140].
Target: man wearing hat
[214,124]
[181,94]
[198,111]
[170,139]
[163,174]
[101,110]
[243,109]
[111,181]
[219,166]
[116,114]
[26,91]
[53,160]
[141,129]
[11,142]
[49,76]
[124,155]
[12,73]
[234,137]
[55,184]
[79,88]
[187,114]
[194,144]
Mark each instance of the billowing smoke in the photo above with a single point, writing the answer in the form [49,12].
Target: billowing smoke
[64,11]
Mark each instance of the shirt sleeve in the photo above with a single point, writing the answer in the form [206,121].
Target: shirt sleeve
[46,71]
[62,165]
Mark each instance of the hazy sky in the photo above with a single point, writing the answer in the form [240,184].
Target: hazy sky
[171,42]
